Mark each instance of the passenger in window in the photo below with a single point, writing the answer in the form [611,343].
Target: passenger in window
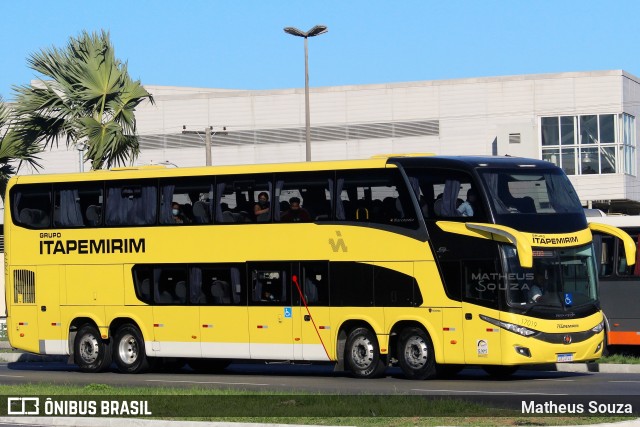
[538,287]
[466,208]
[177,215]
[295,212]
[262,208]
[268,296]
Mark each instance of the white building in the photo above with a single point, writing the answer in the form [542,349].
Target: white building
[584,121]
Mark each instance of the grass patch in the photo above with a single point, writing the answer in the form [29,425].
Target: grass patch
[625,359]
[361,410]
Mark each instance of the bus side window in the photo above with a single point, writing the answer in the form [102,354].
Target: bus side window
[623,268]
[351,284]
[395,289]
[606,246]
[313,189]
[142,280]
[315,283]
[32,205]
[77,205]
[218,284]
[375,196]
[194,196]
[446,194]
[270,284]
[238,198]
[171,285]
[131,203]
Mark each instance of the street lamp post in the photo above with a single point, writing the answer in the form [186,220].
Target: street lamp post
[81,146]
[315,31]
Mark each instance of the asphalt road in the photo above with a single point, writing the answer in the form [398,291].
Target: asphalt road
[322,379]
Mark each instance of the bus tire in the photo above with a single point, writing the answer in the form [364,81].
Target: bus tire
[416,355]
[90,352]
[362,354]
[500,372]
[129,351]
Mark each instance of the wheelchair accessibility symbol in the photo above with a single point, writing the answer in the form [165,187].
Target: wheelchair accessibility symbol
[568,299]
[287,312]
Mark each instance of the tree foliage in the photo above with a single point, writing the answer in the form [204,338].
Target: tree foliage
[13,151]
[85,96]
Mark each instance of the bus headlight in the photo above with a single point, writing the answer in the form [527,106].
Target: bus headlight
[598,328]
[520,330]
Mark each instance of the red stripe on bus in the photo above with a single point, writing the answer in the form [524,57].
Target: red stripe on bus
[624,338]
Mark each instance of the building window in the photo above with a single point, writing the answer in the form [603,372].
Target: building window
[629,143]
[589,144]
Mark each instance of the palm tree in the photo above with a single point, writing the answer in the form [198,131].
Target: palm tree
[86,97]
[13,151]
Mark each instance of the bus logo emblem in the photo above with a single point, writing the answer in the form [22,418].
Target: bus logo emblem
[566,339]
[23,406]
[339,244]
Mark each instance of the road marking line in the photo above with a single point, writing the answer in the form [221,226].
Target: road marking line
[203,382]
[551,379]
[490,392]
[12,376]
[624,381]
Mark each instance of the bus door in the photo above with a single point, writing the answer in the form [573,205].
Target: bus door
[481,282]
[470,270]
[312,338]
[271,315]
[220,290]
[175,322]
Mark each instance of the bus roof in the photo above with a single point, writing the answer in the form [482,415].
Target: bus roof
[377,161]
[620,221]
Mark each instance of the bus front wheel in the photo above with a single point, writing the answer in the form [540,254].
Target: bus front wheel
[416,355]
[91,353]
[362,354]
[128,351]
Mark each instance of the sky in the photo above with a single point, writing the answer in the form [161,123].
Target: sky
[240,44]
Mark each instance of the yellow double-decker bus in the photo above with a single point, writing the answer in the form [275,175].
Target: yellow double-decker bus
[426,262]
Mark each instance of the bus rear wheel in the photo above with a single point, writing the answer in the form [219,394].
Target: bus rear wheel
[91,353]
[128,351]
[416,355]
[362,354]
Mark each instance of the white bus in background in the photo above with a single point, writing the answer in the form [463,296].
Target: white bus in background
[619,283]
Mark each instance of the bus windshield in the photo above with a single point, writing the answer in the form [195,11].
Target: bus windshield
[530,191]
[561,278]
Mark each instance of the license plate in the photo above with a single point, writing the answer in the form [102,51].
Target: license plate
[565,357]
